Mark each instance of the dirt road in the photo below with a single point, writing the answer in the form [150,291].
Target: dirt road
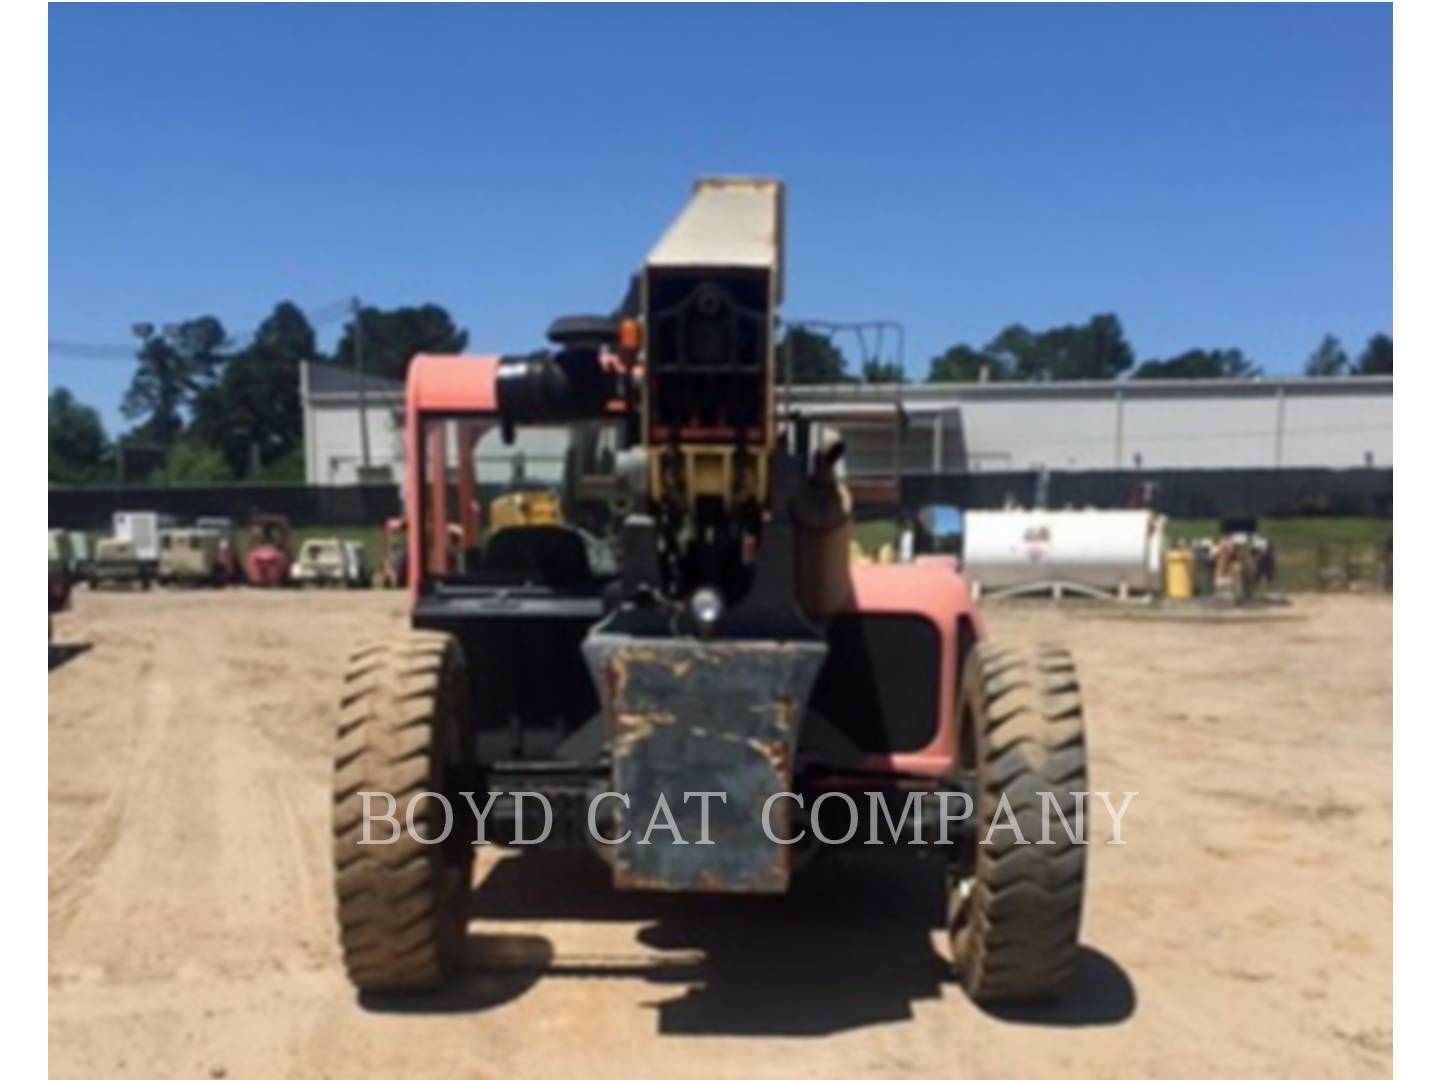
[1244,928]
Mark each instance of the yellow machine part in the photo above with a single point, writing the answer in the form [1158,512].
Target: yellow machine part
[525,508]
[694,471]
[1180,574]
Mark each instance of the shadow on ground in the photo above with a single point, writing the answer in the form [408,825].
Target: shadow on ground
[1102,994]
[849,946]
[60,655]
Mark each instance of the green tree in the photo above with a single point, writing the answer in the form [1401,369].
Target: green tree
[961,363]
[813,358]
[190,461]
[79,451]
[882,371]
[289,469]
[175,365]
[1017,351]
[140,462]
[1377,357]
[1328,359]
[252,415]
[1200,364]
[1096,349]
[392,338]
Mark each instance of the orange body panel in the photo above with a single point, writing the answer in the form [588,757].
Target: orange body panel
[438,384]
[457,386]
[932,590]
[454,384]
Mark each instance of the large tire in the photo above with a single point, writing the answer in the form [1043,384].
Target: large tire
[1015,908]
[404,719]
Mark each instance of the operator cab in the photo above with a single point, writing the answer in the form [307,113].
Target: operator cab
[526,516]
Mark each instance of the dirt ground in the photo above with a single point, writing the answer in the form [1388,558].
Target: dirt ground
[1244,928]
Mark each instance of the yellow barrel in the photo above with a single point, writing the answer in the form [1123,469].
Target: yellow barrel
[1180,574]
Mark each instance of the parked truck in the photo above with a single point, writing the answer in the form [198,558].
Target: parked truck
[118,564]
[192,557]
[141,529]
[229,553]
[332,561]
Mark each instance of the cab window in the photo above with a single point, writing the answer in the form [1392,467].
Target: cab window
[543,509]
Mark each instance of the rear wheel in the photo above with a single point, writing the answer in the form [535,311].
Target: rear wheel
[401,905]
[1014,907]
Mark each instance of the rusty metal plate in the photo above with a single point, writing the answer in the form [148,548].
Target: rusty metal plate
[689,716]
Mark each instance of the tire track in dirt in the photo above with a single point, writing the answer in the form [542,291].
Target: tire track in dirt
[72,873]
[193,925]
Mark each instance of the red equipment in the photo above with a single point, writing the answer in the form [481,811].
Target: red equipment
[267,555]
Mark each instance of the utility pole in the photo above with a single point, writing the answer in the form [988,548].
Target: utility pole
[144,331]
[360,385]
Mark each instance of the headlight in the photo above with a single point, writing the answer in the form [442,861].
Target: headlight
[706,605]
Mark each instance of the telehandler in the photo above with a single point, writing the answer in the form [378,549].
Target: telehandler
[728,648]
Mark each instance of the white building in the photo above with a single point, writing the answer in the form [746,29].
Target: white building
[1336,423]
[335,400]
[337,405]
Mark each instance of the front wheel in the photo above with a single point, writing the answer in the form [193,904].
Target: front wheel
[1014,907]
[400,905]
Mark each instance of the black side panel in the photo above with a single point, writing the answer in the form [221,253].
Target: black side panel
[530,687]
[880,683]
[706,348]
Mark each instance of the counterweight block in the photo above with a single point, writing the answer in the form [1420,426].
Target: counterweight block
[688,716]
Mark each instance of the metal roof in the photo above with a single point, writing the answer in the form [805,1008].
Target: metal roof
[912,393]
[323,380]
[879,412]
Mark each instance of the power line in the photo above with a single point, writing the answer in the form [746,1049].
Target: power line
[88,350]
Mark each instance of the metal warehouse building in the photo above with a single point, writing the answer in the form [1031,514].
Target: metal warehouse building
[1335,423]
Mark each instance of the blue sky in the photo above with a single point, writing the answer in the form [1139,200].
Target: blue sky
[1217,176]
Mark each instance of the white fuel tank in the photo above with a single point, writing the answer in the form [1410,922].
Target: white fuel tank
[1109,550]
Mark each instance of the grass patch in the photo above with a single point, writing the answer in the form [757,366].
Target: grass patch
[1315,553]
[872,535]
[1282,531]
